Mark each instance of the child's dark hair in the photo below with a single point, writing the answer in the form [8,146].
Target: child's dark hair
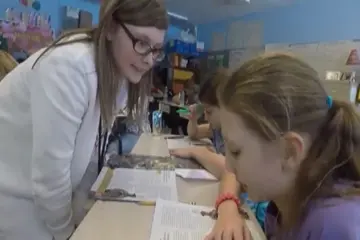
[209,85]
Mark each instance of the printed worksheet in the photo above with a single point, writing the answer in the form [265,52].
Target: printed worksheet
[138,185]
[180,221]
[185,142]
[195,174]
[178,143]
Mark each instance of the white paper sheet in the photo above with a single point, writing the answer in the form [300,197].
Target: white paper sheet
[196,174]
[179,221]
[178,143]
[148,185]
[186,142]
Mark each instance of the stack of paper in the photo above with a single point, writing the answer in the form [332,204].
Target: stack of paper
[179,221]
[147,185]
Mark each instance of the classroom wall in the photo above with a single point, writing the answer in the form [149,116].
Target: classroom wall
[53,7]
[173,33]
[304,21]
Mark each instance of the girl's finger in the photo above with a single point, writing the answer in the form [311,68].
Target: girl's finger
[246,233]
[228,235]
[208,237]
[238,234]
[218,236]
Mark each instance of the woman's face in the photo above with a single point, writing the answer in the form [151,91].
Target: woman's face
[131,63]
[256,163]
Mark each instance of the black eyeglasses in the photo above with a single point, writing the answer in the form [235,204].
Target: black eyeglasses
[144,48]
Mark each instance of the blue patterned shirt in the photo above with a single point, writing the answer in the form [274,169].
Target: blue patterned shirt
[218,141]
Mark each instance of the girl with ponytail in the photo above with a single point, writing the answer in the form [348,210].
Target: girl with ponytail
[290,143]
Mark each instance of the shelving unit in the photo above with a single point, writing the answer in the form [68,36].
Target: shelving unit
[178,72]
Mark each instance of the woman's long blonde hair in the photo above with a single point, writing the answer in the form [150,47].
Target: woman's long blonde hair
[7,63]
[147,13]
[278,93]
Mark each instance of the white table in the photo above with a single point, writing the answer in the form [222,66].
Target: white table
[119,220]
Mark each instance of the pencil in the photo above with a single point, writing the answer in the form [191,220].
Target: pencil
[183,111]
[146,203]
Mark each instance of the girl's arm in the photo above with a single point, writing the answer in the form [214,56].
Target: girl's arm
[197,132]
[228,184]
[213,162]
[176,99]
[230,222]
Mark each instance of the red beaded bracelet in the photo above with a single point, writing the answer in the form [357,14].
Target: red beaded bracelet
[227,197]
[230,197]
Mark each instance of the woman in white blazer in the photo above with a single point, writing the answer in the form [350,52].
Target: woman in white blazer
[50,107]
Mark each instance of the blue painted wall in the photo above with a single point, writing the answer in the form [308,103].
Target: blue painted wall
[53,7]
[305,21]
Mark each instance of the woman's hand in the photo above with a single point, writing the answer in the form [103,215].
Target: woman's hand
[230,225]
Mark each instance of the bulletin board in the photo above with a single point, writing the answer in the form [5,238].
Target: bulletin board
[323,56]
[217,59]
[340,56]
[24,38]
[231,59]
[245,34]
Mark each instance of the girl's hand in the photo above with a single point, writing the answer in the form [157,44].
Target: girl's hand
[190,152]
[191,116]
[230,225]
[183,152]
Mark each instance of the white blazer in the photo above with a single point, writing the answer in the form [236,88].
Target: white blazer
[48,124]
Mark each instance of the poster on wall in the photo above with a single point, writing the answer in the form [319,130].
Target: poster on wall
[24,38]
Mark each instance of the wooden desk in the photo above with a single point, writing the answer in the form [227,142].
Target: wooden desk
[115,220]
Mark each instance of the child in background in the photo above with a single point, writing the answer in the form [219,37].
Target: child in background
[191,90]
[290,143]
[126,131]
[213,161]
